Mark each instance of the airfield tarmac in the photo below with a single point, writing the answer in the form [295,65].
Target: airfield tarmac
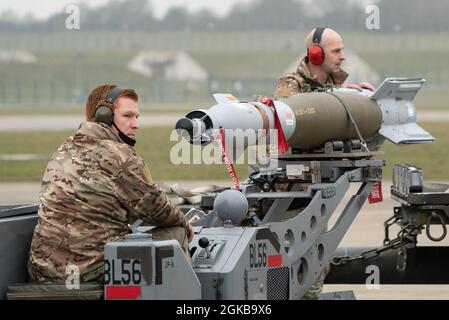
[367,230]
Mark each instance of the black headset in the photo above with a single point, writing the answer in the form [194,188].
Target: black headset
[104,111]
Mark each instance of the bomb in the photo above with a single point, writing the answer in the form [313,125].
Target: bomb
[309,120]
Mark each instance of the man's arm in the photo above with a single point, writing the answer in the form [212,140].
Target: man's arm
[286,86]
[143,198]
[359,86]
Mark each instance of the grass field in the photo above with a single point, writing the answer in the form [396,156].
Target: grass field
[154,146]
[61,80]
[69,65]
[263,40]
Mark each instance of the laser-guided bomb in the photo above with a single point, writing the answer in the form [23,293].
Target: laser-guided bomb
[309,120]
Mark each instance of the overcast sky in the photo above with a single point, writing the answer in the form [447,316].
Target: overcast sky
[42,9]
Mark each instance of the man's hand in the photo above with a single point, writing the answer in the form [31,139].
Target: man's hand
[367,85]
[359,86]
[190,233]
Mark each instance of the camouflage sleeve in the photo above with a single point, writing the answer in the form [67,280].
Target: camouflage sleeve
[286,86]
[143,198]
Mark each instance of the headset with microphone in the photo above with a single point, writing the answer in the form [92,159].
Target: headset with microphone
[315,53]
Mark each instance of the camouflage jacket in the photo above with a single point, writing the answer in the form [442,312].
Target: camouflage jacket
[303,81]
[93,187]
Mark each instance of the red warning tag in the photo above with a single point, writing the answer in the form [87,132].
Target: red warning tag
[229,165]
[282,141]
[376,194]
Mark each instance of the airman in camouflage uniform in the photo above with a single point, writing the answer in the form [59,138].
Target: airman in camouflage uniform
[93,187]
[303,81]
[325,74]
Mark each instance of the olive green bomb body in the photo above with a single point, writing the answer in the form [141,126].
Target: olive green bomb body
[309,120]
[322,117]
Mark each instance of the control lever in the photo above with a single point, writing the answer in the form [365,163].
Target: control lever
[204,243]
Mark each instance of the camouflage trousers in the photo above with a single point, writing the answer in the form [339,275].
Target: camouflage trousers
[97,274]
[314,291]
[176,233]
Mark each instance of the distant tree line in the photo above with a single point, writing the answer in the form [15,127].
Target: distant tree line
[348,15]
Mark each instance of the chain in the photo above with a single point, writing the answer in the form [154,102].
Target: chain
[407,235]
[368,254]
[387,224]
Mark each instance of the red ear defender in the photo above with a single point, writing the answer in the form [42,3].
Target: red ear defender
[316,54]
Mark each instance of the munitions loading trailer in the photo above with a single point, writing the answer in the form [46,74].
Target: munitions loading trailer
[215,251]
[284,245]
